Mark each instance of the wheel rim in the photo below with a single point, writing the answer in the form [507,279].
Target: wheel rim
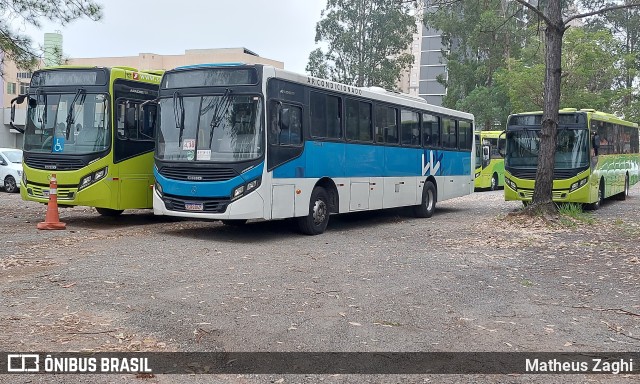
[493,183]
[429,202]
[319,212]
[9,184]
[600,196]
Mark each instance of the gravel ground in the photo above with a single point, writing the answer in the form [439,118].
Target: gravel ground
[471,278]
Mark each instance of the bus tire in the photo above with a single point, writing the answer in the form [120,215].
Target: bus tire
[595,206]
[10,185]
[316,221]
[108,212]
[428,205]
[623,195]
[234,223]
[494,182]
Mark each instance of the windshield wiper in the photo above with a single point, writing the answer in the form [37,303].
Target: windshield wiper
[178,115]
[220,107]
[71,115]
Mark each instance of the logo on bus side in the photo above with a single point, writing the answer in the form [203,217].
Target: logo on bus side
[431,165]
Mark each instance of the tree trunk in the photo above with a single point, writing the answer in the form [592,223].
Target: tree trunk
[554,32]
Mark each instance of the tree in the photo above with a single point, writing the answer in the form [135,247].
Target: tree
[367,42]
[555,27]
[17,46]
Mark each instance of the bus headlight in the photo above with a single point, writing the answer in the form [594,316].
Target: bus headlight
[158,188]
[245,188]
[511,184]
[238,192]
[578,184]
[92,178]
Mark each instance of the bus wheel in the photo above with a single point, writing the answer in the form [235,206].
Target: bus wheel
[316,221]
[428,205]
[108,212]
[234,223]
[10,185]
[595,206]
[494,182]
[623,195]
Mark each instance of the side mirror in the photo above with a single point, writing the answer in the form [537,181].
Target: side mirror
[147,124]
[502,143]
[16,100]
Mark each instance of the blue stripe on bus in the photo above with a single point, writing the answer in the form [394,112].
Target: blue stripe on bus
[206,189]
[321,159]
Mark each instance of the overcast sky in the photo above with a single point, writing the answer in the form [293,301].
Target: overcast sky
[282,30]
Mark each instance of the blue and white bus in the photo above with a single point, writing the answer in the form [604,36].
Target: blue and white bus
[238,142]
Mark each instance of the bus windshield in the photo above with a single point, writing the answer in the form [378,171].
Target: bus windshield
[69,123]
[571,150]
[223,128]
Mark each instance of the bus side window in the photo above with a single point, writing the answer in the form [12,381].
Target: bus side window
[286,124]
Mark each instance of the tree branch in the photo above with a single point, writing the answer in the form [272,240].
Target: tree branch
[536,11]
[599,11]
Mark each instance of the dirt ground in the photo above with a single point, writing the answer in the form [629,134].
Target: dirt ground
[471,278]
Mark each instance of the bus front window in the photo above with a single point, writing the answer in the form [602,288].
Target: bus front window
[222,128]
[571,149]
[70,123]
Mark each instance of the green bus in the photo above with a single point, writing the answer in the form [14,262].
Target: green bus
[90,127]
[596,157]
[489,172]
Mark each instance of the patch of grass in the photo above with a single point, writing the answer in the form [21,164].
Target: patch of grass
[391,323]
[526,283]
[618,222]
[571,214]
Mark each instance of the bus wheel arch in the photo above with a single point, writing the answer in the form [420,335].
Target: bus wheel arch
[625,192]
[332,193]
[316,221]
[598,203]
[429,198]
[494,182]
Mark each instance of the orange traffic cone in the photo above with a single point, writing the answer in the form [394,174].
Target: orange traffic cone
[52,219]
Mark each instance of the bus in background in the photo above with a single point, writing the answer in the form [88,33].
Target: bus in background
[86,125]
[490,169]
[238,142]
[596,157]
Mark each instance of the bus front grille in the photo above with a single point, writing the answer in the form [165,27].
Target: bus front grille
[178,204]
[197,174]
[530,173]
[555,194]
[51,163]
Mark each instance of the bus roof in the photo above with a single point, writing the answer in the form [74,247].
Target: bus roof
[375,93]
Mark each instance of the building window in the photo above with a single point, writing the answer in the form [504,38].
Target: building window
[11,88]
[24,88]
[25,75]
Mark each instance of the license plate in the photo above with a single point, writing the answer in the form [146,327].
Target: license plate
[45,192]
[193,206]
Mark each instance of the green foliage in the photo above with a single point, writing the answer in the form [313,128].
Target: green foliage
[588,72]
[366,42]
[572,213]
[19,47]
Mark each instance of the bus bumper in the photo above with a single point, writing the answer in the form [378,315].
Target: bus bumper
[574,190]
[35,187]
[247,207]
